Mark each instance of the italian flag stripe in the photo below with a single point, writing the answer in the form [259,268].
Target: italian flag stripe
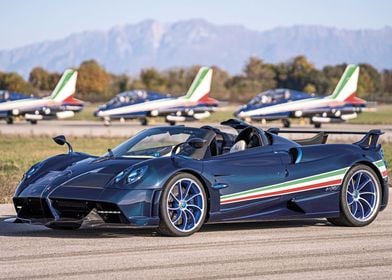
[327,179]
[293,190]
[320,177]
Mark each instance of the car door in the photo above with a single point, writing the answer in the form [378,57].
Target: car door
[240,177]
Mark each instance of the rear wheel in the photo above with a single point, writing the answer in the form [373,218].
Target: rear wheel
[9,120]
[33,122]
[360,197]
[183,206]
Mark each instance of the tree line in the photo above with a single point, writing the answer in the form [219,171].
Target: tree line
[96,84]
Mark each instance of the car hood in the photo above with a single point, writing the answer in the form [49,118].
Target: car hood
[90,172]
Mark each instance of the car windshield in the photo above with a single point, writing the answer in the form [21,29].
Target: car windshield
[158,142]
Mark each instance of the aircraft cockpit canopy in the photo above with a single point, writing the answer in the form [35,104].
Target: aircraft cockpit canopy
[4,95]
[271,96]
[130,96]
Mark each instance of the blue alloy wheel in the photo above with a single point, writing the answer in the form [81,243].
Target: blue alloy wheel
[359,197]
[183,205]
[362,195]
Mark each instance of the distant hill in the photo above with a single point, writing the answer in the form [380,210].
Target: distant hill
[131,47]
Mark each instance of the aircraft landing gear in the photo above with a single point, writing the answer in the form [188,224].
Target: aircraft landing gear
[286,123]
[106,122]
[171,122]
[33,122]
[317,125]
[143,121]
[9,120]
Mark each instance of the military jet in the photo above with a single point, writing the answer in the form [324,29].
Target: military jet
[59,105]
[283,104]
[141,104]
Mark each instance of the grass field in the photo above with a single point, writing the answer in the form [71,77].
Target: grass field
[19,153]
[383,115]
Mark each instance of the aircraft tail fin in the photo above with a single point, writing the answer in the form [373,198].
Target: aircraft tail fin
[347,86]
[201,85]
[65,87]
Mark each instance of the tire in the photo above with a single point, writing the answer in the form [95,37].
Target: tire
[9,120]
[33,122]
[286,123]
[143,121]
[317,125]
[360,198]
[182,214]
[64,226]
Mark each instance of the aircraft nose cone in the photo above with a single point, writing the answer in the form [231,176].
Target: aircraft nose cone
[98,113]
[241,114]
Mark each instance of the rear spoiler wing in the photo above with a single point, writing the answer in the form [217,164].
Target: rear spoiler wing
[369,139]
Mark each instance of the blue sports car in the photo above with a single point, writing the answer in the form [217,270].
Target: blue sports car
[178,178]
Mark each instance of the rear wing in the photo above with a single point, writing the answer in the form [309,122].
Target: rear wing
[368,141]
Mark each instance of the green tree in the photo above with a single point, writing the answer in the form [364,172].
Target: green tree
[298,74]
[152,79]
[93,81]
[14,82]
[257,77]
[39,78]
[369,82]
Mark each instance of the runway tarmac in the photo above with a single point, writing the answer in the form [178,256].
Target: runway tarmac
[311,249]
[128,129]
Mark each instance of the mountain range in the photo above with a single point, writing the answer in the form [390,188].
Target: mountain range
[129,48]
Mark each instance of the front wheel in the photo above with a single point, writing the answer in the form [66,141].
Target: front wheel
[183,206]
[360,197]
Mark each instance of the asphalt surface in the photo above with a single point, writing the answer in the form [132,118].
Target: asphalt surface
[311,249]
[127,129]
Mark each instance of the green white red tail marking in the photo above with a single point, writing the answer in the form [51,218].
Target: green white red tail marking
[319,181]
[201,85]
[66,86]
[347,85]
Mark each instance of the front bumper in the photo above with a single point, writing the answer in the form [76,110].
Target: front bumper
[136,208]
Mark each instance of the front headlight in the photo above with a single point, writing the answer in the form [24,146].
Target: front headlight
[129,176]
[136,174]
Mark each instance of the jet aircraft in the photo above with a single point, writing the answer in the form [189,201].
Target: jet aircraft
[341,105]
[59,105]
[141,104]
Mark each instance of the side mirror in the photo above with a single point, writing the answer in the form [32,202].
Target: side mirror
[196,143]
[61,140]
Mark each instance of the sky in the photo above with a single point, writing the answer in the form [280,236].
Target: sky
[24,22]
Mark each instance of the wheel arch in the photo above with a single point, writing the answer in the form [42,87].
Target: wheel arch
[376,171]
[204,183]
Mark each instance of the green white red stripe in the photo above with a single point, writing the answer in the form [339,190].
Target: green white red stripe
[382,168]
[319,181]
